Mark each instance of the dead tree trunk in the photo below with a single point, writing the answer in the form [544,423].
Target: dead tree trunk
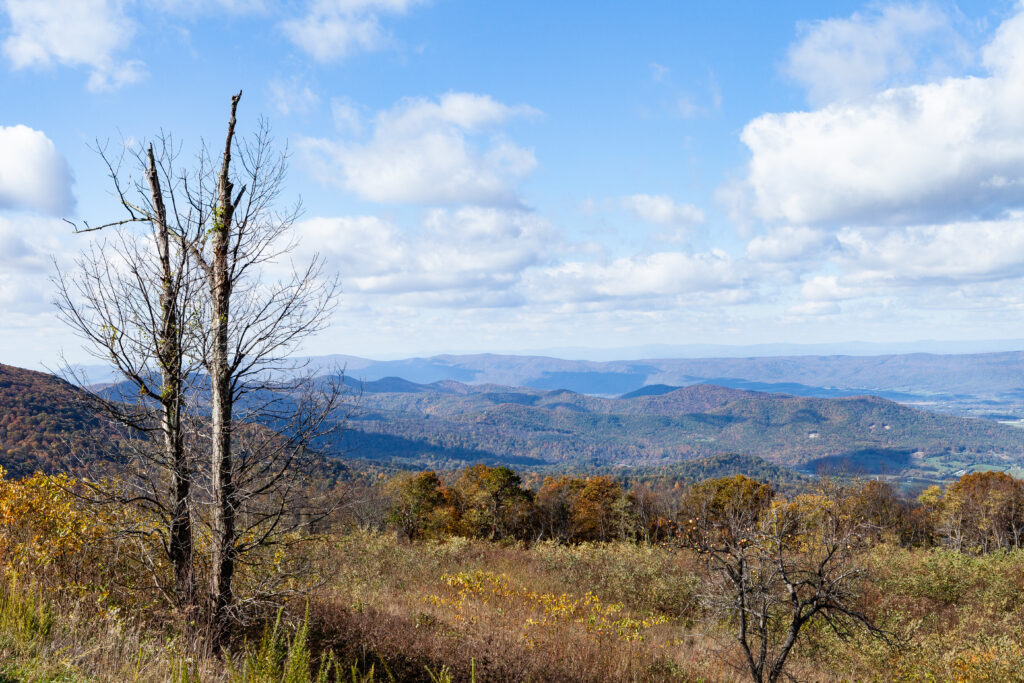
[259,447]
[225,503]
[169,359]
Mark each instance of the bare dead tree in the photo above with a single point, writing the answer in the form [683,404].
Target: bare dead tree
[776,566]
[219,329]
[131,298]
[252,324]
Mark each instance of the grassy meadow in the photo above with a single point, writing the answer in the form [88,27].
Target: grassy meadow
[468,609]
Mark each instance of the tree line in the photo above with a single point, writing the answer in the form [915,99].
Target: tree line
[982,512]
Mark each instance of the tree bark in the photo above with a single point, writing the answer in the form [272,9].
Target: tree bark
[224,492]
[169,358]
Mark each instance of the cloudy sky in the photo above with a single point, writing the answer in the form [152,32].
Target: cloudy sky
[511,176]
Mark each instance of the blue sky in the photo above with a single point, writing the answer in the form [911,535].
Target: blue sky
[492,176]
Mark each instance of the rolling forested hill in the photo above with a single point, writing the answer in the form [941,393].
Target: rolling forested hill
[44,422]
[437,423]
[449,424]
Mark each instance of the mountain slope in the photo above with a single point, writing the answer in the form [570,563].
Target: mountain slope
[447,423]
[44,421]
[528,426]
[46,424]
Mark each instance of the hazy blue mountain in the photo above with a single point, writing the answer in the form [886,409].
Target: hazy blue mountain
[853,348]
[451,424]
[650,390]
[962,384]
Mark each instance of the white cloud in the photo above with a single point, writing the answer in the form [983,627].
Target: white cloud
[663,210]
[813,309]
[966,266]
[33,174]
[471,256]
[335,29]
[22,245]
[843,59]
[664,275]
[825,288]
[952,149]
[430,152]
[20,295]
[27,245]
[479,257]
[347,119]
[75,33]
[292,96]
[787,243]
[953,253]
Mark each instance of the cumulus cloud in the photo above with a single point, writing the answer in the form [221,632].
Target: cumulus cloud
[75,33]
[828,288]
[944,254]
[485,257]
[953,148]
[918,154]
[663,210]
[429,152]
[848,58]
[335,29]
[33,174]
[665,275]
[959,265]
[24,245]
[27,245]
[787,243]
[472,256]
[19,295]
[908,199]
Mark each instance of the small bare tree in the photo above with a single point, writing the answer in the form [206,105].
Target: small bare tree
[131,299]
[776,566]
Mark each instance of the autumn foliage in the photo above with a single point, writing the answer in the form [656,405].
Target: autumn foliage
[552,578]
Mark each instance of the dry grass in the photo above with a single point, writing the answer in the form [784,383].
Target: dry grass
[49,637]
[950,616]
[461,610]
[608,612]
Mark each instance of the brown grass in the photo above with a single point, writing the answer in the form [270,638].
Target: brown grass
[483,611]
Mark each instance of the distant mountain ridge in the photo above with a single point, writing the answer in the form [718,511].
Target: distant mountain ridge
[908,377]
